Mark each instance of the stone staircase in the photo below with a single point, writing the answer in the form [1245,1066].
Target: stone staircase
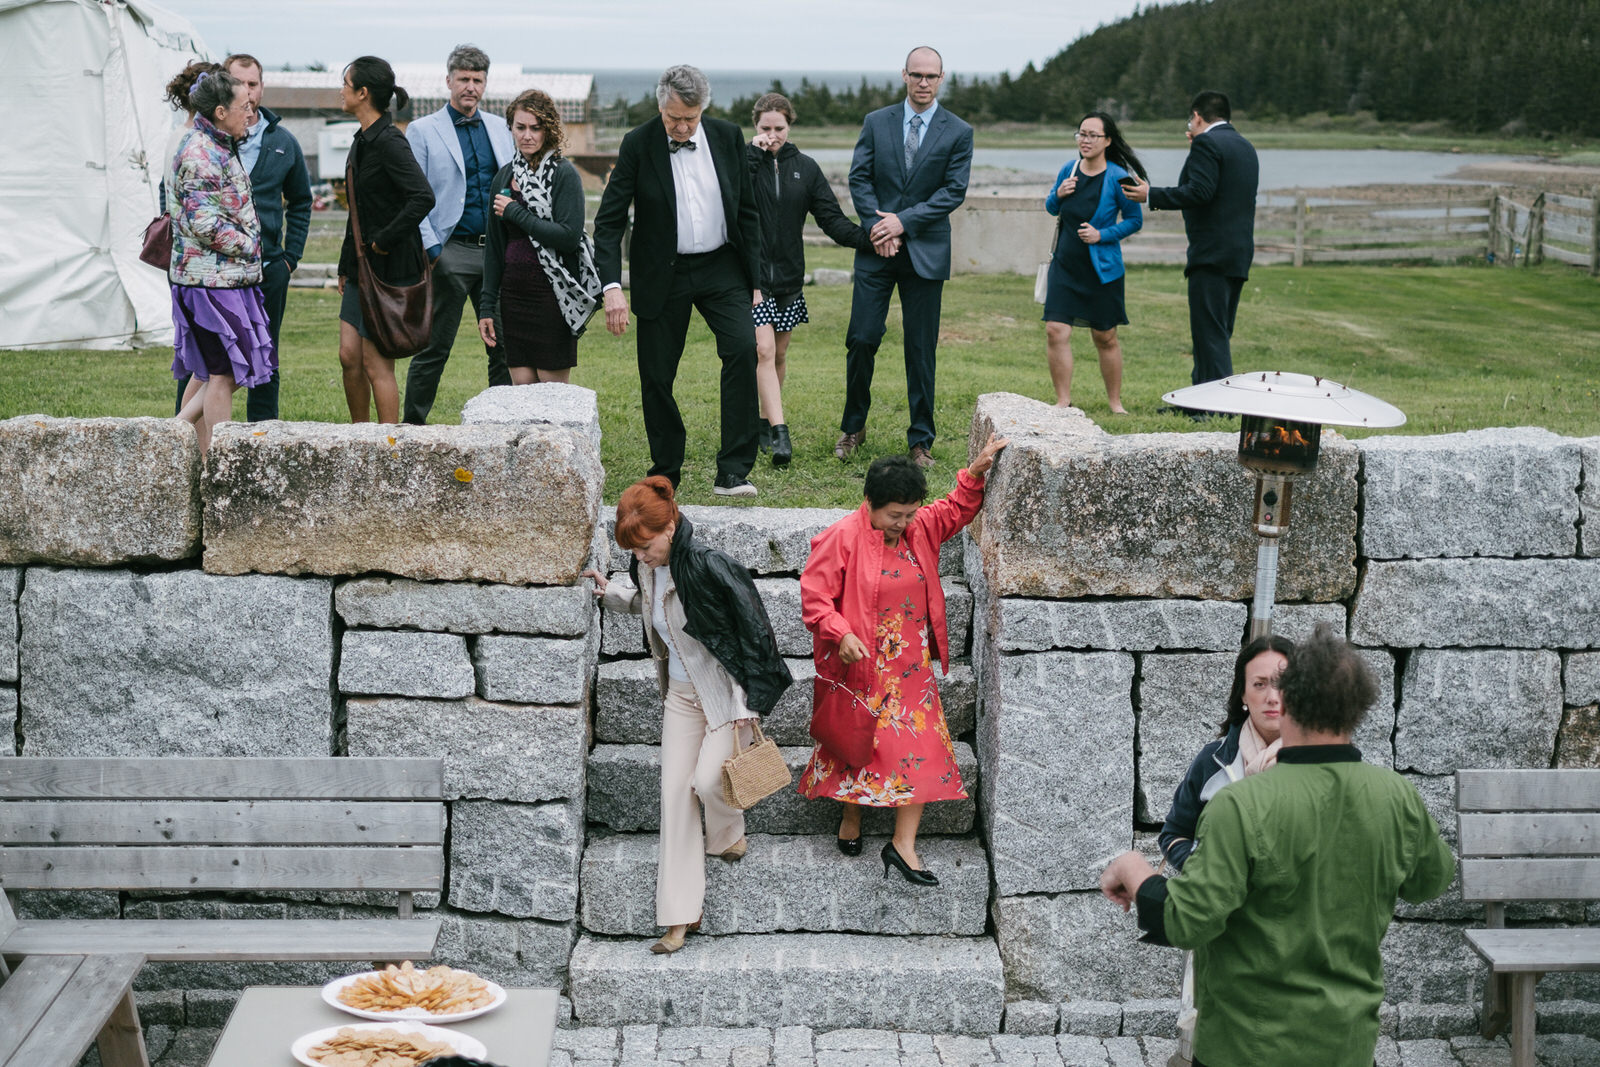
[795,933]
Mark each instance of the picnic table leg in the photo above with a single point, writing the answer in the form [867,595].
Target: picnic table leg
[121,1041]
[1522,1022]
[1496,1004]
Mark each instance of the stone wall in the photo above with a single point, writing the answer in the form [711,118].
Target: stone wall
[417,591]
[1116,571]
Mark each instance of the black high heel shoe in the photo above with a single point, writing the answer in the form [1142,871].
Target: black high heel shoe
[850,846]
[915,876]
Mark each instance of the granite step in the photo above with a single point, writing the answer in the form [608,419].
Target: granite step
[787,883]
[624,793]
[628,703]
[824,981]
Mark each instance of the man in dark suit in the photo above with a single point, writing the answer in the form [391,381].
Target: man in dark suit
[696,244]
[1216,192]
[909,172]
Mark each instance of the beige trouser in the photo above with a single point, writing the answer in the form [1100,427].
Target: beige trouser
[691,766]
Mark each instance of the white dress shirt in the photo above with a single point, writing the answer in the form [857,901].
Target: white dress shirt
[702,226]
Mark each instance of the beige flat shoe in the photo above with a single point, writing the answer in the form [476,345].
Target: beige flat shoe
[670,942]
[737,850]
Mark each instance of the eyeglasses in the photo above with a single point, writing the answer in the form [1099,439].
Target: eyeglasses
[1088,136]
[914,76]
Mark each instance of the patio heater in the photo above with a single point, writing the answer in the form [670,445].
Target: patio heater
[1281,419]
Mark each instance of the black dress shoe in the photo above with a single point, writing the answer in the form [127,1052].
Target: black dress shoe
[782,449]
[914,875]
[850,846]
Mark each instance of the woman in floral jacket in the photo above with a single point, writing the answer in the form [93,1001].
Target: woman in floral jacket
[218,315]
[870,596]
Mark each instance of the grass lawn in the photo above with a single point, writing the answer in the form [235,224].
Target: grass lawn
[1456,348]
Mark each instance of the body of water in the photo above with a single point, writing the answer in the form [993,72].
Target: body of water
[1281,168]
[728,85]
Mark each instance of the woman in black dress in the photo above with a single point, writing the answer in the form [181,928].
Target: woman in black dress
[1085,280]
[539,281]
[392,197]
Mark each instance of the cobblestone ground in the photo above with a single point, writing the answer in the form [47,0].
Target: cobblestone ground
[798,1046]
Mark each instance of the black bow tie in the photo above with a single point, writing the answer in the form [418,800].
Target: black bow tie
[674,146]
[475,120]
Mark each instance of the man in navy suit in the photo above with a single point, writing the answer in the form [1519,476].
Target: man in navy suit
[696,244]
[459,147]
[909,172]
[1216,192]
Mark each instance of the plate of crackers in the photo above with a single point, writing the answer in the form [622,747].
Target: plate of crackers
[433,995]
[382,1045]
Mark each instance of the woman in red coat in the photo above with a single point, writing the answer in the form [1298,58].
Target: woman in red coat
[870,596]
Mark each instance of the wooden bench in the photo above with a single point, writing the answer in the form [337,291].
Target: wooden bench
[1527,835]
[260,825]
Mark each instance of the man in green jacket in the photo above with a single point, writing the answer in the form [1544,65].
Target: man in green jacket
[1292,883]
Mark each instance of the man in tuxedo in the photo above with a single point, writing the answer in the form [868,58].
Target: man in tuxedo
[459,147]
[908,173]
[696,244]
[1216,192]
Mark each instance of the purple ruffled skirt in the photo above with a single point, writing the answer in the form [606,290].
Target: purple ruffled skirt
[222,331]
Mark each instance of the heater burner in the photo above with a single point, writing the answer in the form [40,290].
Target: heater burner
[1282,416]
[1278,446]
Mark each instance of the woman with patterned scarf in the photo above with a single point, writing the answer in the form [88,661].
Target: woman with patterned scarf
[539,281]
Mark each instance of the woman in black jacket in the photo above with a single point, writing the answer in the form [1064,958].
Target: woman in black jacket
[539,281]
[717,665]
[392,197]
[1248,741]
[788,186]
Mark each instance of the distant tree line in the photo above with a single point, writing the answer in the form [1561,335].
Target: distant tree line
[1478,65]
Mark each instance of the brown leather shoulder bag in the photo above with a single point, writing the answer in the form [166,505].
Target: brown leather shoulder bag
[398,318]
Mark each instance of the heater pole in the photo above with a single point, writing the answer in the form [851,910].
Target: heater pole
[1266,588]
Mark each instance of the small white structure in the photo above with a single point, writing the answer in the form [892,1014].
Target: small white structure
[82,128]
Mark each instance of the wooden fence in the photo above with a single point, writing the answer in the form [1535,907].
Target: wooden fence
[1444,224]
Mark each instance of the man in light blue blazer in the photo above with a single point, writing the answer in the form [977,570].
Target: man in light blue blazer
[909,172]
[460,148]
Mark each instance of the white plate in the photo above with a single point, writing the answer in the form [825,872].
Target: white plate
[330,996]
[462,1045]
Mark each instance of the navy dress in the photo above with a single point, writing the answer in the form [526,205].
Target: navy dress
[1075,293]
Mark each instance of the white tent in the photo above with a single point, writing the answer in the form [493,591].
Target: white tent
[82,128]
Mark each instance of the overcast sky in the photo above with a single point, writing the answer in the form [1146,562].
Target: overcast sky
[854,35]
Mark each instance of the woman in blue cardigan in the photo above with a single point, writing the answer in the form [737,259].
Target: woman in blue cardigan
[1085,281]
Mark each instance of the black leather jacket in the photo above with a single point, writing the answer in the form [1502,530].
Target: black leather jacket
[723,611]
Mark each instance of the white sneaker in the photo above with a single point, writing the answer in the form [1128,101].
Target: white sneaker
[734,487]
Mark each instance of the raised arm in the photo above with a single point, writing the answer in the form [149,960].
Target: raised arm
[1199,183]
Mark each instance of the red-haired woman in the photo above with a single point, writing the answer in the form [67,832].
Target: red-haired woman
[717,663]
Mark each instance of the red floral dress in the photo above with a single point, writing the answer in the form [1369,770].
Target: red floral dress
[913,760]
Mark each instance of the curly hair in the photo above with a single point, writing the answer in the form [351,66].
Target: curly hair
[1236,712]
[537,103]
[895,480]
[177,91]
[1326,687]
[644,511]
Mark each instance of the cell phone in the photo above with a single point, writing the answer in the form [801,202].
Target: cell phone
[1128,182]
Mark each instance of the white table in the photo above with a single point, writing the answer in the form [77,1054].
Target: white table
[268,1019]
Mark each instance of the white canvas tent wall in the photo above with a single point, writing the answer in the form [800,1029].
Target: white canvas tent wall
[82,126]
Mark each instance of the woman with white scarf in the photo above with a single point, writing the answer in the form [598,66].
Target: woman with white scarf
[1248,743]
[539,281]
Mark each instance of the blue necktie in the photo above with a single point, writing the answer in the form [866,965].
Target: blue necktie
[912,139]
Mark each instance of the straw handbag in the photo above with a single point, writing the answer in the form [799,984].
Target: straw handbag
[753,773]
